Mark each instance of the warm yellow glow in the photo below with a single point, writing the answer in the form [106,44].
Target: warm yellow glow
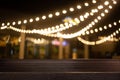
[79,7]
[25,21]
[81,18]
[102,14]
[50,15]
[87,32]
[94,1]
[95,20]
[77,20]
[43,17]
[31,20]
[13,23]
[3,24]
[86,4]
[96,30]
[106,3]
[37,18]
[105,27]
[99,18]
[91,31]
[100,7]
[114,2]
[19,22]
[71,9]
[91,13]
[117,32]
[110,6]
[3,27]
[115,23]
[106,11]
[119,21]
[110,25]
[57,13]
[64,11]
[8,24]
[85,41]
[100,29]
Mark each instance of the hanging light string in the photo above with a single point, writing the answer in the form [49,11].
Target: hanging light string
[72,22]
[66,25]
[99,29]
[58,35]
[50,15]
[90,25]
[111,36]
[70,35]
[80,32]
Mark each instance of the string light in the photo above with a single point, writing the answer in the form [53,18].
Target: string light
[86,4]
[71,35]
[31,20]
[79,7]
[101,28]
[94,1]
[71,9]
[62,35]
[47,31]
[108,38]
[50,15]
[56,14]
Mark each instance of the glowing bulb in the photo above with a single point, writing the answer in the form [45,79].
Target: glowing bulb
[99,18]
[102,14]
[115,23]
[91,13]
[100,29]
[8,24]
[37,18]
[105,27]
[78,7]
[93,23]
[50,15]
[81,18]
[96,20]
[3,24]
[77,20]
[71,9]
[114,34]
[43,17]
[83,33]
[25,21]
[106,3]
[117,32]
[119,21]
[96,10]
[114,2]
[57,27]
[100,7]
[110,7]
[31,20]
[19,22]
[57,13]
[110,25]
[13,23]
[86,4]
[106,11]
[96,30]
[93,1]
[91,31]
[87,32]
[64,11]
